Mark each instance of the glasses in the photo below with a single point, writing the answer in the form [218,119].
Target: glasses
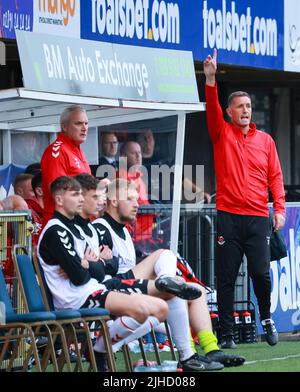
[113,143]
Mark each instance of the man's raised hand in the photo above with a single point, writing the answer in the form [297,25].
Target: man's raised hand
[210,68]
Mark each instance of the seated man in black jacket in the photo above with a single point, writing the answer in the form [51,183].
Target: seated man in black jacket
[107,266]
[63,246]
[94,193]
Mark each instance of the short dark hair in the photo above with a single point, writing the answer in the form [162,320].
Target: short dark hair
[36,181]
[33,168]
[63,184]
[235,95]
[21,178]
[87,181]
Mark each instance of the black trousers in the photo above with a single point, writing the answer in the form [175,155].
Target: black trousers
[238,235]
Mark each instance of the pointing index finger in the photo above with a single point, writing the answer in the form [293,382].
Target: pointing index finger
[215,54]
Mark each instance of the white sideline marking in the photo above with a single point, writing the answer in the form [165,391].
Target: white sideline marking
[272,359]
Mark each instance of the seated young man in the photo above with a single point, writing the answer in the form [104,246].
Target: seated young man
[94,193]
[62,247]
[94,200]
[122,207]
[163,265]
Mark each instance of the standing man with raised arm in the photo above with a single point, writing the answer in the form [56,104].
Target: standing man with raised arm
[247,166]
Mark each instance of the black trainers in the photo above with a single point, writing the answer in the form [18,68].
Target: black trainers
[198,363]
[101,361]
[73,357]
[177,287]
[227,342]
[41,341]
[270,331]
[226,359]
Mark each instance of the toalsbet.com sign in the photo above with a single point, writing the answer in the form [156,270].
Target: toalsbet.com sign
[98,69]
[244,32]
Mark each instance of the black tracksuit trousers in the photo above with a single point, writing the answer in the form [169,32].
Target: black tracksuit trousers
[238,235]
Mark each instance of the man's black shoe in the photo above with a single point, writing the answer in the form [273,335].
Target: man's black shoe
[270,331]
[226,359]
[41,341]
[176,287]
[101,361]
[227,342]
[198,363]
[74,357]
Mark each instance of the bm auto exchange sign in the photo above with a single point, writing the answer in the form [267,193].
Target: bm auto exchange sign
[97,69]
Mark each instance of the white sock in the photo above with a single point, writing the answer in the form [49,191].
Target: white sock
[161,328]
[119,329]
[178,320]
[144,328]
[166,264]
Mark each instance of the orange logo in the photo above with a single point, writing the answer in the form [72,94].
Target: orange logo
[66,8]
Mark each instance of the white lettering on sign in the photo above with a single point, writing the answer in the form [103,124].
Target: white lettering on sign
[80,67]
[15,20]
[83,68]
[126,18]
[54,62]
[120,73]
[226,29]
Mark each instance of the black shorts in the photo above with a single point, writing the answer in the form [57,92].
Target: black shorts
[96,299]
[127,286]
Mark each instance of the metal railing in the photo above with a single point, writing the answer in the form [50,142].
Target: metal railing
[15,228]
[197,241]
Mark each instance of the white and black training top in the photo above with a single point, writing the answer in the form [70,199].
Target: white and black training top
[118,238]
[104,269]
[62,246]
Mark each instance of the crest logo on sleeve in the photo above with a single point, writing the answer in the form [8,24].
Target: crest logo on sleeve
[221,240]
[55,149]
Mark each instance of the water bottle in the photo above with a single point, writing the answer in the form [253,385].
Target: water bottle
[140,362]
[141,368]
[236,327]
[152,366]
[169,366]
[247,327]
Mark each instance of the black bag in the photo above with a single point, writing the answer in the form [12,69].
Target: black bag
[277,246]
